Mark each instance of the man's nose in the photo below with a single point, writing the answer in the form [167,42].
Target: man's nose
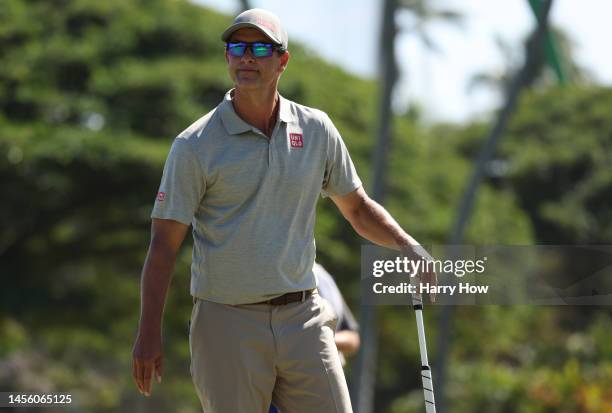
[248,55]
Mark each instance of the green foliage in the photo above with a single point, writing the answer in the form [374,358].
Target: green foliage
[91,95]
[560,145]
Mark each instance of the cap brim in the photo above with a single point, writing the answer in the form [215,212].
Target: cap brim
[230,30]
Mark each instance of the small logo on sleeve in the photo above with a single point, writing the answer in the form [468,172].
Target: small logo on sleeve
[296,140]
[161,196]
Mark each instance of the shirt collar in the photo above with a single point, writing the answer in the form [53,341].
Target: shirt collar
[234,124]
[285,111]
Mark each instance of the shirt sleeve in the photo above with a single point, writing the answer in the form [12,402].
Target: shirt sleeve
[329,290]
[340,175]
[182,186]
[348,321]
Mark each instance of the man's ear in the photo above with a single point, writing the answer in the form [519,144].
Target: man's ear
[226,57]
[284,59]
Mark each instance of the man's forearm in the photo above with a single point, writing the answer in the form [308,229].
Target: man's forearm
[156,277]
[374,223]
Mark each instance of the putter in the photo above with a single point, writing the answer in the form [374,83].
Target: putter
[428,392]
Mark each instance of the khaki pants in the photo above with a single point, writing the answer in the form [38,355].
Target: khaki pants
[245,356]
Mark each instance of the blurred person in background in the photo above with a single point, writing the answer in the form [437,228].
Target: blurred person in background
[347,330]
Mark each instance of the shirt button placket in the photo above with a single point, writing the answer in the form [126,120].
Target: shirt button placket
[263,136]
[270,154]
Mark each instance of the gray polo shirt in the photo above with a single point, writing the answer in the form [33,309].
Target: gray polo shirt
[251,199]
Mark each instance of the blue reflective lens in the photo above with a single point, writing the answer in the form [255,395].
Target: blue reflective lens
[258,49]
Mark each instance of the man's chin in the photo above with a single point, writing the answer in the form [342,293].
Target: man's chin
[248,83]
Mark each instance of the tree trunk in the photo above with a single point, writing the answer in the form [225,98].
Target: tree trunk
[365,373]
[523,79]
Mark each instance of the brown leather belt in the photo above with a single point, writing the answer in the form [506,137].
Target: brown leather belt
[298,296]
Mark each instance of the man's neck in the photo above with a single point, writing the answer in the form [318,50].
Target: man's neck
[257,109]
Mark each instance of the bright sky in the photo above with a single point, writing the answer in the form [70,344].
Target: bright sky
[346,32]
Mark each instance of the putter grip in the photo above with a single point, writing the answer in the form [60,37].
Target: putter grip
[430,403]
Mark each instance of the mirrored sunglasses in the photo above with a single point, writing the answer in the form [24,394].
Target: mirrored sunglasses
[258,49]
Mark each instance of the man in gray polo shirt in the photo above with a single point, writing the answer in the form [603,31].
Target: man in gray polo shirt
[247,177]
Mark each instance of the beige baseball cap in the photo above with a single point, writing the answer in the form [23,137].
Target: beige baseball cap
[268,23]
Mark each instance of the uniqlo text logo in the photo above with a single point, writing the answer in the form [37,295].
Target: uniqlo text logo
[296,140]
[161,196]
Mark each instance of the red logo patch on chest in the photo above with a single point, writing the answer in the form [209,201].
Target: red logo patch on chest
[161,196]
[296,140]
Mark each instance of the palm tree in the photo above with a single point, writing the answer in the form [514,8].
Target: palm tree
[421,10]
[522,79]
[500,81]
[423,14]
[417,17]
[244,5]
